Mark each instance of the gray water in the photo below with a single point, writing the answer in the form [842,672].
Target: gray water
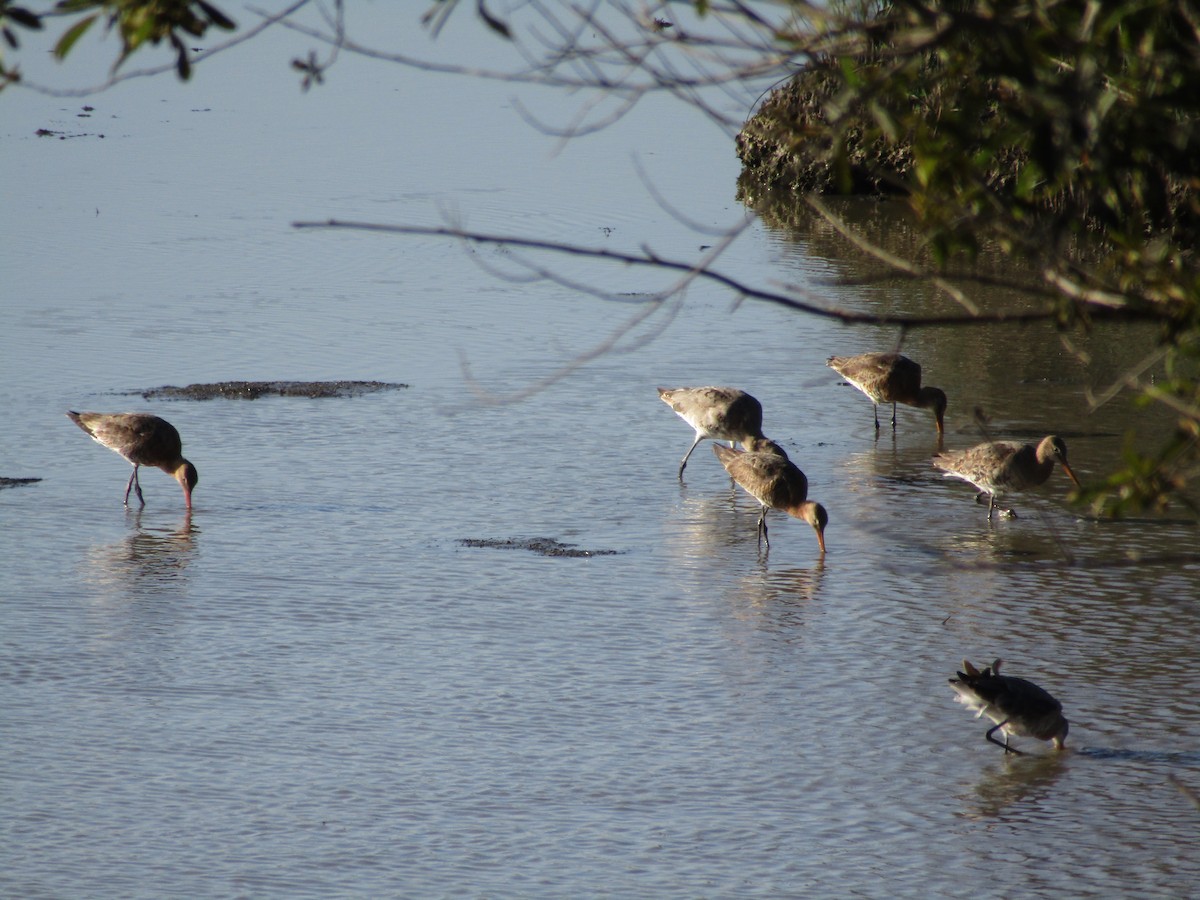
[310,686]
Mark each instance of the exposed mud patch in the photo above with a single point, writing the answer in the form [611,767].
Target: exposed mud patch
[16,482]
[65,135]
[541,545]
[252,390]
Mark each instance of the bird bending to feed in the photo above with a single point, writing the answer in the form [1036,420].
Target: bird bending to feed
[1018,707]
[999,467]
[717,413]
[764,471]
[144,440]
[890,378]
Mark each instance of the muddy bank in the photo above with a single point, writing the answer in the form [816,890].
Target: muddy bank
[16,482]
[252,390]
[543,546]
[784,147]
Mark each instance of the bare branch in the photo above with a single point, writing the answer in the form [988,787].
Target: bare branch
[811,306]
[890,259]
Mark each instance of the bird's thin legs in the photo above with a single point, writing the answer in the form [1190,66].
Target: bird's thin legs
[893,417]
[134,484]
[1005,512]
[762,529]
[1007,749]
[683,464]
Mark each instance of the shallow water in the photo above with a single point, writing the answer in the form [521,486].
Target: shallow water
[311,686]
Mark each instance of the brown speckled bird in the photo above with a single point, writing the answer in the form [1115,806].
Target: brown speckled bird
[890,378]
[764,471]
[716,413]
[1000,467]
[144,440]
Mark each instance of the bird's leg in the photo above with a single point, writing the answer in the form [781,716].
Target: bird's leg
[1007,749]
[876,406]
[129,486]
[137,486]
[1004,512]
[683,464]
[762,529]
[893,417]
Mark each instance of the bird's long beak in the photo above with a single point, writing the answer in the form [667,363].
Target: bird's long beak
[821,539]
[1070,474]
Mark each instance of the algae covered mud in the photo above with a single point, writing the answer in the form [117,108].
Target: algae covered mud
[253,390]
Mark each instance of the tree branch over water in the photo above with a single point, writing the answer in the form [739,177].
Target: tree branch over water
[809,305]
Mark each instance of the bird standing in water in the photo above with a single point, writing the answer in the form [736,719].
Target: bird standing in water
[144,440]
[764,471]
[717,413]
[999,467]
[1018,707]
[890,378]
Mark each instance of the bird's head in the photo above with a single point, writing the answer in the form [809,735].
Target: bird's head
[188,478]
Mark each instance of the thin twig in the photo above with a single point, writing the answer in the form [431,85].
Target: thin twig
[788,301]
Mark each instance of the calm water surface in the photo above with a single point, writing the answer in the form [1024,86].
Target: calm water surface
[311,687]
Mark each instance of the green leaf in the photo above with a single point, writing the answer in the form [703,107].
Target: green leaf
[1029,179]
[217,17]
[23,17]
[71,35]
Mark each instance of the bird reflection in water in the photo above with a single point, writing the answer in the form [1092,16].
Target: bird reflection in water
[151,558]
[710,526]
[778,600]
[1028,780]
[714,527]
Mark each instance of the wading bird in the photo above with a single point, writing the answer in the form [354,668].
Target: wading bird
[890,378]
[764,471]
[144,440]
[1018,707]
[1000,467]
[716,413]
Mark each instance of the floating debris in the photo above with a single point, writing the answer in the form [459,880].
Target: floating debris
[544,546]
[252,390]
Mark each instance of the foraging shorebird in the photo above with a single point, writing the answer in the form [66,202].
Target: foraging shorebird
[144,440]
[764,471]
[890,378]
[1018,707]
[999,467]
[716,413]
